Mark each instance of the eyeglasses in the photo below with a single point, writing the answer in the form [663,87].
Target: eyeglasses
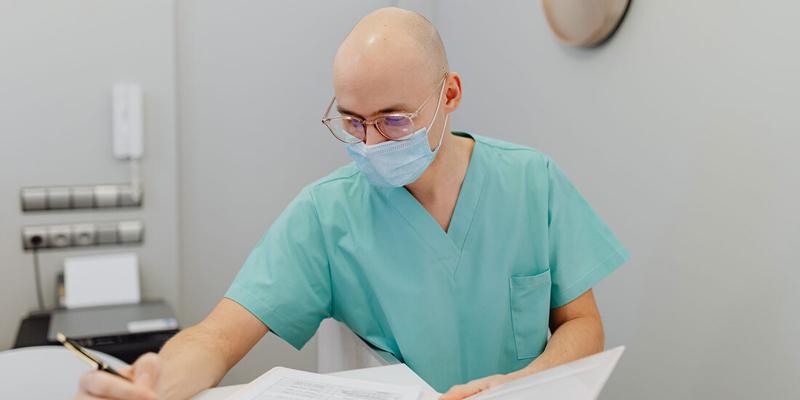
[392,126]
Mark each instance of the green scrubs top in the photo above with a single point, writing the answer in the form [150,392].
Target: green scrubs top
[454,306]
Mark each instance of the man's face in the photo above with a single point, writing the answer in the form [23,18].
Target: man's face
[368,93]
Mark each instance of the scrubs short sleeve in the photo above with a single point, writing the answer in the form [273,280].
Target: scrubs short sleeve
[582,248]
[285,281]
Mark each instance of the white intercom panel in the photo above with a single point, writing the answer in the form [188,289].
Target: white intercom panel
[128,119]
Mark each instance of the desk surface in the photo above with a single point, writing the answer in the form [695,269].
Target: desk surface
[50,372]
[398,374]
[45,372]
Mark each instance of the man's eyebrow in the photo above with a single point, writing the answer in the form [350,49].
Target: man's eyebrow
[393,108]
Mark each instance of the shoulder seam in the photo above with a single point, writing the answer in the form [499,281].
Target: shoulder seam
[326,180]
[513,147]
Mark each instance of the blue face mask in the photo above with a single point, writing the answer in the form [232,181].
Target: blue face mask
[396,163]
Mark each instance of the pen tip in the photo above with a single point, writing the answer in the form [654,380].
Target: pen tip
[60,336]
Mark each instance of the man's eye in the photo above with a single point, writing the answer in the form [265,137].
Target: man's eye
[353,123]
[393,120]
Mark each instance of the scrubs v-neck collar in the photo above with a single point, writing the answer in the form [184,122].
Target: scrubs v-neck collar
[448,245]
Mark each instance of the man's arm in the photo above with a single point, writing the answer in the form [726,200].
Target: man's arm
[199,357]
[195,359]
[577,332]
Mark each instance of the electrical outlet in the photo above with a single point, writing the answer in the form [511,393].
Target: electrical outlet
[34,237]
[59,236]
[83,234]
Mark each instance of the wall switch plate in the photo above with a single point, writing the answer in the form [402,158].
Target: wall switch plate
[106,196]
[82,197]
[128,197]
[33,199]
[58,198]
[106,233]
[76,197]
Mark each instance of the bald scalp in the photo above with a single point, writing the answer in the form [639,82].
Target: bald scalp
[393,40]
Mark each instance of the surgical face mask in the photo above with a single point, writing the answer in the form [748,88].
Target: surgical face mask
[396,163]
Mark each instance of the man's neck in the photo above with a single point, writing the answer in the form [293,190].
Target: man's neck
[443,178]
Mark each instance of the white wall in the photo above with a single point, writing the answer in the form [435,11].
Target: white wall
[58,61]
[683,133]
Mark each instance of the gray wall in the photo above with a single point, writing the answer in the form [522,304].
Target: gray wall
[254,79]
[683,133]
[58,61]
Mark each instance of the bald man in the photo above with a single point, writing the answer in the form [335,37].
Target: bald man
[457,253]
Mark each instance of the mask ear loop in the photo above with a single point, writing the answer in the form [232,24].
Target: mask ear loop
[441,137]
[435,114]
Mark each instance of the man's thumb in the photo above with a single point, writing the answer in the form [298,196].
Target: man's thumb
[146,370]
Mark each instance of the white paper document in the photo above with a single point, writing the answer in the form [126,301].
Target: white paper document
[581,379]
[101,280]
[289,384]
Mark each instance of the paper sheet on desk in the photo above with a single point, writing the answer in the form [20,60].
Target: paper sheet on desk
[578,380]
[288,384]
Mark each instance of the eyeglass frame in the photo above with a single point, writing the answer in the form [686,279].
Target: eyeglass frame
[366,123]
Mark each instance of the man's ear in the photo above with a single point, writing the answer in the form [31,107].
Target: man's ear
[452,92]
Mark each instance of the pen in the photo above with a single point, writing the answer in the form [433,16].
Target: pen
[86,356]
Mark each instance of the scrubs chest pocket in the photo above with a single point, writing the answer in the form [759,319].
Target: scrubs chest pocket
[530,312]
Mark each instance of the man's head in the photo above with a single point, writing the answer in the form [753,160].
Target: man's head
[392,61]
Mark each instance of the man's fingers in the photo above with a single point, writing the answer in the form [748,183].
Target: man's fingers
[126,372]
[146,370]
[104,385]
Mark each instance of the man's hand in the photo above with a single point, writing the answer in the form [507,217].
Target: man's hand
[144,374]
[193,360]
[470,388]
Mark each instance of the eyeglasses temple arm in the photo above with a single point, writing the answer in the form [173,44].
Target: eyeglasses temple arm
[328,109]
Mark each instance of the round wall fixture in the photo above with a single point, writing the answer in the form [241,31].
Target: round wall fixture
[584,23]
